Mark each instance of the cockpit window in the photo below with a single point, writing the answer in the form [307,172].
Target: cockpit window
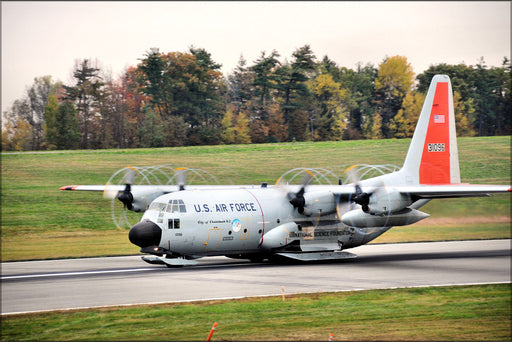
[176,206]
[157,206]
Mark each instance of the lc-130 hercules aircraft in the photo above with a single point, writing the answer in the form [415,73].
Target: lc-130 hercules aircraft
[304,222]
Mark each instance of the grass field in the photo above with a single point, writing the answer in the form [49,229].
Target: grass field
[463,313]
[39,221]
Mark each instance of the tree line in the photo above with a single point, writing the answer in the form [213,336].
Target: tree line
[183,99]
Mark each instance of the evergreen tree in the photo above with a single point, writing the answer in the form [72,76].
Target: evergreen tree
[152,80]
[239,84]
[294,90]
[67,132]
[85,93]
[151,132]
[265,78]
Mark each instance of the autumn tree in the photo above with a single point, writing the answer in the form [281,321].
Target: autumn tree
[30,109]
[228,129]
[129,102]
[464,116]
[372,127]
[330,114]
[16,135]
[277,127]
[235,127]
[38,96]
[402,125]
[394,80]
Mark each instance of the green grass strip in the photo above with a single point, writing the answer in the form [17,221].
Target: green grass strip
[434,313]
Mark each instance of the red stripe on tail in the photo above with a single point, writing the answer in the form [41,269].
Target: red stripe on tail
[435,161]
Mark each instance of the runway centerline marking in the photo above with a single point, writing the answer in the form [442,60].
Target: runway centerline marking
[99,272]
[65,274]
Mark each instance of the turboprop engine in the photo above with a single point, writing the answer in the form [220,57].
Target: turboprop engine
[381,201]
[382,207]
[134,198]
[319,203]
[142,199]
[384,202]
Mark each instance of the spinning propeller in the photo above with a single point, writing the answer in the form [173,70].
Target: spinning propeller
[309,203]
[297,199]
[125,196]
[360,197]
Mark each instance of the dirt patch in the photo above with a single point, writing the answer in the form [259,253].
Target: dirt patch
[444,221]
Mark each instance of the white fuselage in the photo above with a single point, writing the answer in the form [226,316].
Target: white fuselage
[230,222]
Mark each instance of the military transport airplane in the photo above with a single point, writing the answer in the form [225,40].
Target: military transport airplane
[305,222]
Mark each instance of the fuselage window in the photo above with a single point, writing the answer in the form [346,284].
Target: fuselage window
[173,223]
[176,206]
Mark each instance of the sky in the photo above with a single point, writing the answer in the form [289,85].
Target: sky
[46,38]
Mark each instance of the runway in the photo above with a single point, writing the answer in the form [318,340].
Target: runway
[94,282]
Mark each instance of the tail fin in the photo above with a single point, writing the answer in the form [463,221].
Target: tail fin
[433,157]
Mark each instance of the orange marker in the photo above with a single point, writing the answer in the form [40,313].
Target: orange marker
[212,331]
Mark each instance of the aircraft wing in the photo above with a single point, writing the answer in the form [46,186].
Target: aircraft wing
[156,188]
[422,191]
[429,191]
[90,187]
[453,190]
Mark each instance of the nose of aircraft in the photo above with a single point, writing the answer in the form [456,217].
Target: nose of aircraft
[145,234]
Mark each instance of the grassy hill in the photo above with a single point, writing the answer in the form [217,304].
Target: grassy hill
[39,221]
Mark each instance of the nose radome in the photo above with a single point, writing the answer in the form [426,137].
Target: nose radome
[145,234]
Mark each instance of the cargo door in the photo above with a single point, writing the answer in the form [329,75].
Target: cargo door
[213,240]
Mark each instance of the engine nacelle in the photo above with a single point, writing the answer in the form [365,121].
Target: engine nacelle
[319,203]
[359,219]
[143,198]
[383,202]
[279,236]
